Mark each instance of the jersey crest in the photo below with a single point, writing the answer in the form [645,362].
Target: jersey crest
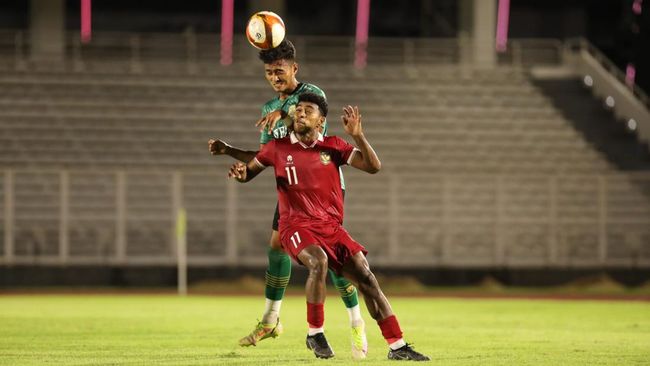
[325,157]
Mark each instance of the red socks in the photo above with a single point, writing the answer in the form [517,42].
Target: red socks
[390,329]
[315,315]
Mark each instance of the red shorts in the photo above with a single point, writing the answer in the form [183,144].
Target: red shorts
[333,239]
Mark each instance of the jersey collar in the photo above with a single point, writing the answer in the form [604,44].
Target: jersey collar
[294,139]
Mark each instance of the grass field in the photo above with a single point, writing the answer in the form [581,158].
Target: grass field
[203,330]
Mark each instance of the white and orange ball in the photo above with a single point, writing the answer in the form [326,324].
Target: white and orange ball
[265,30]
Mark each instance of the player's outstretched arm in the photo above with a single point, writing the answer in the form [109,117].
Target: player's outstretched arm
[269,121]
[245,172]
[219,147]
[367,159]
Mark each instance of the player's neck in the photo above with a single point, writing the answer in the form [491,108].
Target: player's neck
[308,138]
[292,88]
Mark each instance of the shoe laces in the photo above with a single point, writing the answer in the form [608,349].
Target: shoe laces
[406,347]
[260,329]
[357,336]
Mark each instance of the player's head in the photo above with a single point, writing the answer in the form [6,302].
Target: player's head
[280,67]
[311,111]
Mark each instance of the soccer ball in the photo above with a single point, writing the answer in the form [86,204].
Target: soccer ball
[265,30]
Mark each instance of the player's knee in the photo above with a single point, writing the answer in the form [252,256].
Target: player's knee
[316,261]
[321,263]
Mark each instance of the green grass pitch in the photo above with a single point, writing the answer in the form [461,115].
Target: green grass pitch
[203,330]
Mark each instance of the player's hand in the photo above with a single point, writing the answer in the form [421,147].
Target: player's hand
[352,121]
[238,171]
[269,121]
[217,147]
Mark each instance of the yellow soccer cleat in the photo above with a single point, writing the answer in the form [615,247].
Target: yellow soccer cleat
[359,342]
[261,332]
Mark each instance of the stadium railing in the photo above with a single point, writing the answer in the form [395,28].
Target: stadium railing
[577,44]
[627,100]
[90,217]
[197,52]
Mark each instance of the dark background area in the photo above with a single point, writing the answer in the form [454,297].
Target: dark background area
[608,24]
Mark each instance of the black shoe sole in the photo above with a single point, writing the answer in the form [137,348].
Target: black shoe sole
[407,358]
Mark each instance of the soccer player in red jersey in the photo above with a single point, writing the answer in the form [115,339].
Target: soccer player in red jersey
[280,70]
[306,166]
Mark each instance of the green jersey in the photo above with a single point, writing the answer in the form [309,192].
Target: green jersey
[288,105]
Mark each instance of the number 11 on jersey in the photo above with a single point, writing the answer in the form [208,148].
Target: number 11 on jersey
[289,171]
[295,239]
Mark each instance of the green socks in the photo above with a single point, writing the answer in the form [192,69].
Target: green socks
[277,279]
[346,289]
[279,271]
[277,274]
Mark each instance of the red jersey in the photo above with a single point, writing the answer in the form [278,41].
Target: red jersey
[307,178]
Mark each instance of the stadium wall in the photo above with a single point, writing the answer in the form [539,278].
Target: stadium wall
[25,276]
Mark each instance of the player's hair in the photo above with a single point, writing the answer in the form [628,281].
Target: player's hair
[316,99]
[284,51]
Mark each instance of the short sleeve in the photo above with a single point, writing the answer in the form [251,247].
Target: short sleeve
[345,151]
[265,157]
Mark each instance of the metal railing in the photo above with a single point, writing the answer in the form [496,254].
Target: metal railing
[127,218]
[628,102]
[607,64]
[138,52]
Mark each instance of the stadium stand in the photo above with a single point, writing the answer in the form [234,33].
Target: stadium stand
[480,167]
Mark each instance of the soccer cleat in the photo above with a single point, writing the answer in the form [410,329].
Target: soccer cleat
[406,353]
[359,342]
[261,332]
[318,344]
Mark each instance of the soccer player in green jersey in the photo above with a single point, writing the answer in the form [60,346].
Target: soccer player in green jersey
[280,69]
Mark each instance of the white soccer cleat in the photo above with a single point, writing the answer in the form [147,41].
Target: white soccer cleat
[359,342]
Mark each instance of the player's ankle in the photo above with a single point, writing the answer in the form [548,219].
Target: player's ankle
[314,331]
[357,323]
